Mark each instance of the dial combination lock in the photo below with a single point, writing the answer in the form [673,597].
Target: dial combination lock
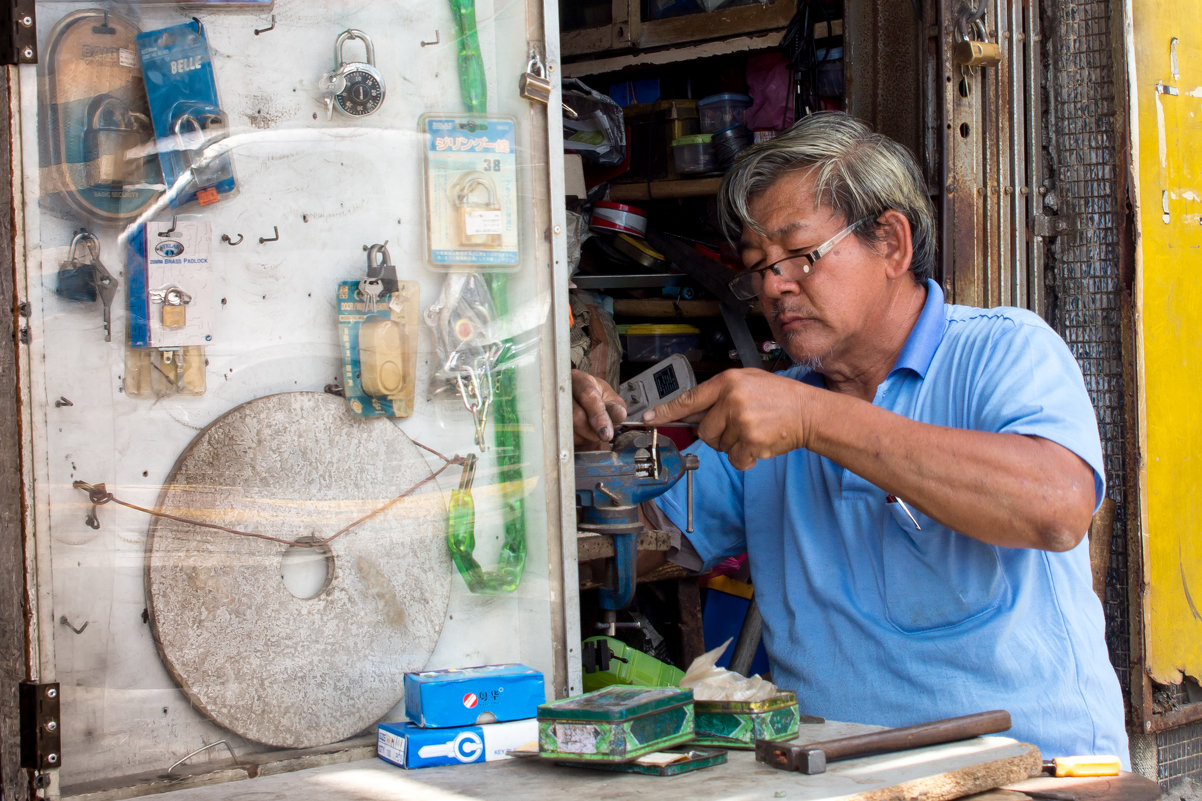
[355,88]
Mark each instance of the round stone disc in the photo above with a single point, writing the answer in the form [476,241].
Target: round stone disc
[249,651]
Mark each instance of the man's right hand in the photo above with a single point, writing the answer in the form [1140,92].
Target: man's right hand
[596,410]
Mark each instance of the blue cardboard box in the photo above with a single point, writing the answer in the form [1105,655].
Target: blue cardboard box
[411,746]
[473,695]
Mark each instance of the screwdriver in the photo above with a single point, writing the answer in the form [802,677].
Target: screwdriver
[1092,765]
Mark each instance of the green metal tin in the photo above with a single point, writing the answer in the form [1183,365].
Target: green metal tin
[738,724]
[615,724]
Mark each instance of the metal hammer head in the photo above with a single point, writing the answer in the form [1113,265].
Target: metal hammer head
[789,756]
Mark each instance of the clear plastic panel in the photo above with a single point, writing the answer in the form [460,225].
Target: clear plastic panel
[245,487]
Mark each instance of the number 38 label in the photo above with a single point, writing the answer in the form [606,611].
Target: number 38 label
[471,191]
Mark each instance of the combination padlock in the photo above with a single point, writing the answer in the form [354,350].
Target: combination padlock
[481,220]
[534,85]
[355,88]
[111,138]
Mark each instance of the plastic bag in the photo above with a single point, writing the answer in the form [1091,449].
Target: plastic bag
[712,683]
[598,131]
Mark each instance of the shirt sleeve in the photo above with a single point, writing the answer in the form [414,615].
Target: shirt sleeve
[1028,382]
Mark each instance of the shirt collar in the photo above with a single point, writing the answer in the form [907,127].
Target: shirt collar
[926,335]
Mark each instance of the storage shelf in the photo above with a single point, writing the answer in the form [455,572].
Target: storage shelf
[665,189]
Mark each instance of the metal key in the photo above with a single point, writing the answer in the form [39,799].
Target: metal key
[102,280]
[370,289]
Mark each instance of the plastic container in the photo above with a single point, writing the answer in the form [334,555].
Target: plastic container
[651,342]
[722,111]
[694,154]
[728,142]
[652,128]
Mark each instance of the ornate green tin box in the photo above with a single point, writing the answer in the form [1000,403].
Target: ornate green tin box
[615,724]
[738,724]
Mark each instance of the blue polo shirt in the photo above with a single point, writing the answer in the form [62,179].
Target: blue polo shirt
[869,619]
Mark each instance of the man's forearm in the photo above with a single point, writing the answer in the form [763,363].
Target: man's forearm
[1003,489]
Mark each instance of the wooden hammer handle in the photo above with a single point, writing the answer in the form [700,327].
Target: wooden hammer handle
[939,731]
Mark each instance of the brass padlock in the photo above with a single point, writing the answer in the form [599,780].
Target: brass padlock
[111,138]
[481,221]
[175,302]
[534,85]
[970,54]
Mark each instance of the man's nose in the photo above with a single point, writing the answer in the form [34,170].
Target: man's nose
[774,285]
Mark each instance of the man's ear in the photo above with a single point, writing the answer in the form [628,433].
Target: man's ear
[895,246]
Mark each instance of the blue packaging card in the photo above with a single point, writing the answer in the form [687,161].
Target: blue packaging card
[177,69]
[411,746]
[464,696]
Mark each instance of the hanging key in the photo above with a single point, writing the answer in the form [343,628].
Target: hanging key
[533,84]
[106,288]
[369,293]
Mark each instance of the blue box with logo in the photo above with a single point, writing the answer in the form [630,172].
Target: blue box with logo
[473,695]
[411,746]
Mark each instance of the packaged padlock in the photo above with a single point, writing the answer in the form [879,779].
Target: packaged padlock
[170,307]
[99,143]
[377,331]
[472,217]
[190,127]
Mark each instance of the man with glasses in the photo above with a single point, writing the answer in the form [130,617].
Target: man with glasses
[913,493]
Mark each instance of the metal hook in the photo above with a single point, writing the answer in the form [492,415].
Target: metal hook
[170,231]
[265,30]
[273,238]
[227,240]
[436,39]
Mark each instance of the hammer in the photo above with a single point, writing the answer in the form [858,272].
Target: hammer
[812,757]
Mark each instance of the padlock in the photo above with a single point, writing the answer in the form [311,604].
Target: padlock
[976,50]
[481,220]
[77,275]
[195,131]
[970,54]
[533,85]
[174,301]
[111,138]
[355,88]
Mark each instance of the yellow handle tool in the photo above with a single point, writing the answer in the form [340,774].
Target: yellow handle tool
[1093,765]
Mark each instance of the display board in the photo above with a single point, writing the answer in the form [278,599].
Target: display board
[287,275]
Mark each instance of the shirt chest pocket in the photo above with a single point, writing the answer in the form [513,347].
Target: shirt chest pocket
[936,579]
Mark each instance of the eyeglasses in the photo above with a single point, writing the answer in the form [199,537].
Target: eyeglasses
[746,285]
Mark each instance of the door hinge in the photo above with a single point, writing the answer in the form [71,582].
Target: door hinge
[19,29]
[41,729]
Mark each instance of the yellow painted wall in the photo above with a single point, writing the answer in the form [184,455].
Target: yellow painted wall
[1167,123]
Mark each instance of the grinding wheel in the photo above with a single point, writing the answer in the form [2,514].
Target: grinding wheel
[289,671]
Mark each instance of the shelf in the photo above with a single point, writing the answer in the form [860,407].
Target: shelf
[767,40]
[665,189]
[630,281]
[666,307]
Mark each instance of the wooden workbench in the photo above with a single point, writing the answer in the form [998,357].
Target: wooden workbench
[935,773]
